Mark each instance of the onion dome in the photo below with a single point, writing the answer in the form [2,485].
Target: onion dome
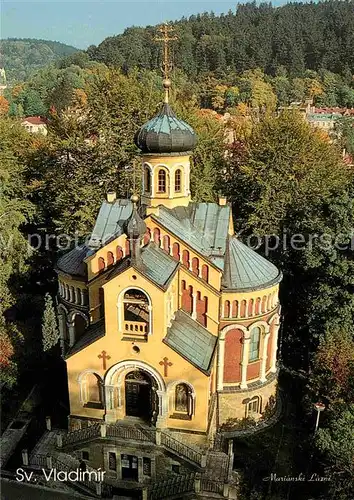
[165,133]
[246,270]
[135,227]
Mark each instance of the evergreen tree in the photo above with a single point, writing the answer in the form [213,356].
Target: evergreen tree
[50,332]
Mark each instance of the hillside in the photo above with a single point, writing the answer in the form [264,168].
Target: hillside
[296,36]
[22,56]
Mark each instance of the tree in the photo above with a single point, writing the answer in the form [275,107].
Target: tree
[4,106]
[332,377]
[336,442]
[15,210]
[288,181]
[50,332]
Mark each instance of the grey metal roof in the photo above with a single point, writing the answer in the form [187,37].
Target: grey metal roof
[110,221]
[191,340]
[204,226]
[158,265]
[245,269]
[90,335]
[73,262]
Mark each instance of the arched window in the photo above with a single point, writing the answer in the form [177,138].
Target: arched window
[254,344]
[253,406]
[147,236]
[157,236]
[227,309]
[205,272]
[264,304]
[178,178]
[80,324]
[234,308]
[110,259]
[185,258]
[91,391]
[166,243]
[147,180]
[161,185]
[195,266]
[127,247]
[258,306]
[250,308]
[187,298]
[184,399]
[243,309]
[175,251]
[119,253]
[136,313]
[269,302]
[101,264]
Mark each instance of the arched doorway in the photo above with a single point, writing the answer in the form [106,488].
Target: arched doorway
[140,396]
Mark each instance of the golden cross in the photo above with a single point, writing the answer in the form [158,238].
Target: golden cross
[104,356]
[166,37]
[165,363]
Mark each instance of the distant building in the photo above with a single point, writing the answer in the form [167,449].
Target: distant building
[3,83]
[35,125]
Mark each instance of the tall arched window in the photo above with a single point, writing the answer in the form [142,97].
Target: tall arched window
[91,391]
[254,344]
[185,258]
[178,177]
[147,236]
[119,253]
[250,308]
[101,264]
[136,313]
[184,399]
[205,272]
[161,185]
[195,266]
[110,259]
[234,308]
[157,236]
[166,243]
[227,309]
[147,180]
[175,251]
[243,309]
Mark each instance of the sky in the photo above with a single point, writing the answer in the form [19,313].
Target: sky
[82,23]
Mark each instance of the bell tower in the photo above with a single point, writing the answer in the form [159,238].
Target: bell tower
[166,143]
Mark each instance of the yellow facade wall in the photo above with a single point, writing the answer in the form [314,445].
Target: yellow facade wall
[152,353]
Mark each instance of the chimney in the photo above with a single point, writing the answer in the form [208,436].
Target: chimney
[111,196]
[222,201]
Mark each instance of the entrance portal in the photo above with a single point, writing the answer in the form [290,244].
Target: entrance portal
[140,396]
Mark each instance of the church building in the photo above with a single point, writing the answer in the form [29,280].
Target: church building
[169,323]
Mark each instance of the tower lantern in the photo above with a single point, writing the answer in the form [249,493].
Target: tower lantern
[166,143]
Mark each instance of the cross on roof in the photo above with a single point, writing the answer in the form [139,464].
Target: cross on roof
[166,37]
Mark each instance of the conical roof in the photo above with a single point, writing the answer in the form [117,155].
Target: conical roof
[165,133]
[245,269]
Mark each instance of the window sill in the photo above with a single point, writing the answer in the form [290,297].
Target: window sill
[93,405]
[128,338]
[181,416]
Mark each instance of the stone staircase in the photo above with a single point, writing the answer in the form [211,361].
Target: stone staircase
[134,433]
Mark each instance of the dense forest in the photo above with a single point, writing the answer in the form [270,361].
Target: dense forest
[21,57]
[296,36]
